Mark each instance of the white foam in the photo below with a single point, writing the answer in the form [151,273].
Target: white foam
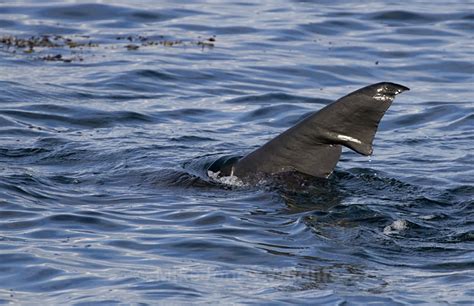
[396,227]
[231,180]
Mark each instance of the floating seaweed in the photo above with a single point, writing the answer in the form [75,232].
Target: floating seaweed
[132,47]
[143,41]
[60,58]
[63,44]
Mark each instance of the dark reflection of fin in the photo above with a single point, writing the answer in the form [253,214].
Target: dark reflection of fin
[302,192]
[313,146]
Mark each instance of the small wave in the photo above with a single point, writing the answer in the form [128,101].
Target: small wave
[272,98]
[405,17]
[84,117]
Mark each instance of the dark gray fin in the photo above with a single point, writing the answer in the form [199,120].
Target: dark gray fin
[313,146]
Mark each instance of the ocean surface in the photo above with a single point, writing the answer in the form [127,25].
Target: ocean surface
[108,113]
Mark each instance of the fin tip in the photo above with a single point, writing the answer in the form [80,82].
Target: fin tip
[398,88]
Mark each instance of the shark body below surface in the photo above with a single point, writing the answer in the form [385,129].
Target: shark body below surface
[313,146]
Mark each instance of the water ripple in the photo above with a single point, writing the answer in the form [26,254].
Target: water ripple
[106,133]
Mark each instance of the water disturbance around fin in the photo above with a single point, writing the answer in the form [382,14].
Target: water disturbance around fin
[313,146]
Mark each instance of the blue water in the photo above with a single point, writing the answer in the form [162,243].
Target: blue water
[102,136]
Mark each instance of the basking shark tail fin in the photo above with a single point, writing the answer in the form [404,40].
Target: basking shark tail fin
[313,146]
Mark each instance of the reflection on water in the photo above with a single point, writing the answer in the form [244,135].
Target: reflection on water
[108,124]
